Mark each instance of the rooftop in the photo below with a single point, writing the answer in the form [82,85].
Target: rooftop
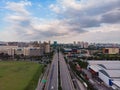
[103,62]
[111,73]
[117,83]
[110,66]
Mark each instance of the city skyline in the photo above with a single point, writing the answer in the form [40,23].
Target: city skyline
[60,20]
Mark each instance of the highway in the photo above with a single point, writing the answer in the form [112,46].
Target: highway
[41,85]
[66,81]
[52,80]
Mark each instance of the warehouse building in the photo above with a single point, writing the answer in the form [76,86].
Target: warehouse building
[107,71]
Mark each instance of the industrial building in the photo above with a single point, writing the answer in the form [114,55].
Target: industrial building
[107,71]
[111,50]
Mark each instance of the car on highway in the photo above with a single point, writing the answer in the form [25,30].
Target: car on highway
[52,88]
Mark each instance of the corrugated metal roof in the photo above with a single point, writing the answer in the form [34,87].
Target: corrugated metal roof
[113,73]
[94,62]
[109,68]
[101,65]
[105,73]
[95,68]
[117,83]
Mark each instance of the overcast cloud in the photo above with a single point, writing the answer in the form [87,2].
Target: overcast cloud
[66,20]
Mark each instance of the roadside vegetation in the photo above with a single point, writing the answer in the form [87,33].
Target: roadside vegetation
[16,75]
[21,57]
[80,73]
[98,56]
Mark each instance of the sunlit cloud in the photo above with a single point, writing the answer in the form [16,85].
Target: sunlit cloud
[79,19]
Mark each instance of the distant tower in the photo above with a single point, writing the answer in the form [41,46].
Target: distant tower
[39,42]
[55,43]
[78,43]
[74,42]
[49,42]
[82,44]
[86,45]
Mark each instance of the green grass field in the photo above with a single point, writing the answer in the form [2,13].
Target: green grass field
[19,75]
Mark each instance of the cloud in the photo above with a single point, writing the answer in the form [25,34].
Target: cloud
[79,19]
[26,27]
[84,15]
[103,37]
[54,8]
[112,16]
[18,7]
[87,11]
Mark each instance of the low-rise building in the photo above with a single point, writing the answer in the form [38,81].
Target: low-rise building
[19,51]
[47,48]
[107,71]
[27,51]
[111,50]
[32,51]
[10,50]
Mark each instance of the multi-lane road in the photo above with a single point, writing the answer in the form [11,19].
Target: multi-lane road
[41,84]
[65,77]
[52,81]
[66,81]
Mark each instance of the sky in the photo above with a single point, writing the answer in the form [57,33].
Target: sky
[61,20]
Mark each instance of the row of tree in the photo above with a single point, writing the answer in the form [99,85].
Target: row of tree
[80,74]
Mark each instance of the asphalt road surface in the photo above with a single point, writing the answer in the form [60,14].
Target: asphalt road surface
[52,81]
[41,85]
[66,81]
